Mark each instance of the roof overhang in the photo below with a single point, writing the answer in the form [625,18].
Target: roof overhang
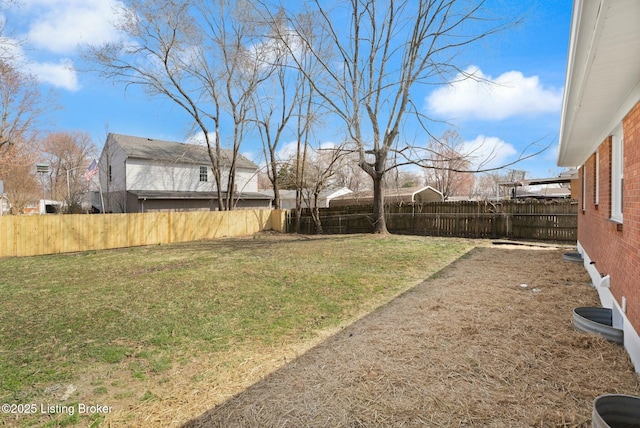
[192,195]
[426,189]
[603,75]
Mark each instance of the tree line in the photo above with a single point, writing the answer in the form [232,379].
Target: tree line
[247,68]
[256,69]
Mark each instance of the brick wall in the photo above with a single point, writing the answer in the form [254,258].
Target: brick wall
[615,248]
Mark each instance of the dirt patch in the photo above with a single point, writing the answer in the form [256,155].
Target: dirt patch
[486,342]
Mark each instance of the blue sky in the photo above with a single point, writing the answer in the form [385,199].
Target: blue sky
[528,62]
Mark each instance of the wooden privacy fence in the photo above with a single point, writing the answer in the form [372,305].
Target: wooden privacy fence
[52,234]
[527,220]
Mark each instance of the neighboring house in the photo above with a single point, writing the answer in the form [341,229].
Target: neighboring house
[391,196]
[600,132]
[288,197]
[43,206]
[142,174]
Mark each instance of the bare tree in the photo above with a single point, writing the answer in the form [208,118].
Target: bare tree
[322,166]
[448,162]
[22,110]
[18,172]
[22,106]
[486,185]
[275,105]
[350,175]
[297,100]
[495,184]
[400,178]
[68,154]
[390,49]
[202,56]
[303,132]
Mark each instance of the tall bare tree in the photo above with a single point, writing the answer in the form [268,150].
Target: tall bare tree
[23,108]
[274,105]
[202,56]
[288,105]
[449,161]
[324,164]
[389,50]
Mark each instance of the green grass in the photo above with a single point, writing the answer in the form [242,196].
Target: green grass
[141,310]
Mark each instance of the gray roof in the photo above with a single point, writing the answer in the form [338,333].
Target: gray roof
[172,151]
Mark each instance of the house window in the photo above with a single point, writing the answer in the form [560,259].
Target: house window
[204,176]
[617,174]
[596,184]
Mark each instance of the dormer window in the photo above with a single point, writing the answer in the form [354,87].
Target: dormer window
[204,175]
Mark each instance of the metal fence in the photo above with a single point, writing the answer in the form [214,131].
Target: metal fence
[526,220]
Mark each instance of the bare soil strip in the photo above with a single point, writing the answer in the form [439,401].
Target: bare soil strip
[471,346]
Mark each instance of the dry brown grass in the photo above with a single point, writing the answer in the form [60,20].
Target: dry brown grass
[468,347]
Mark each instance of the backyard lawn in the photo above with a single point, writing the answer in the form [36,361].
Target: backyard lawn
[120,335]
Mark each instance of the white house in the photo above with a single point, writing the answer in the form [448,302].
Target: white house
[140,174]
[403,195]
[288,197]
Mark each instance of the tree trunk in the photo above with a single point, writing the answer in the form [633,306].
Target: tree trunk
[298,217]
[273,176]
[379,222]
[315,213]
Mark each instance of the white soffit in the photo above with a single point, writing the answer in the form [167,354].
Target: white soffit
[603,75]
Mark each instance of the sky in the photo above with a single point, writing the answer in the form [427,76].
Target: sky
[527,64]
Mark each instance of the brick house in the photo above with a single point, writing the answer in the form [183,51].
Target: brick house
[600,133]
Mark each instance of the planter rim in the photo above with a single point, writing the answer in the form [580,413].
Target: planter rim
[613,395]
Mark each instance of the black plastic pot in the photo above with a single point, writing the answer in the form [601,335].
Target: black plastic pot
[616,411]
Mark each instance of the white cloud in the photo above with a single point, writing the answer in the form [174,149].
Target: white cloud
[59,26]
[61,74]
[488,152]
[287,151]
[510,94]
[328,145]
[199,140]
